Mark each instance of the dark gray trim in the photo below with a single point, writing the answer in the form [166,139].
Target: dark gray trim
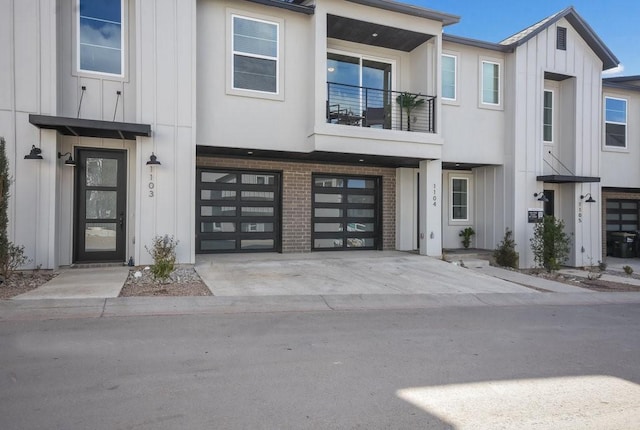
[307,10]
[448,165]
[556,76]
[566,179]
[620,86]
[309,157]
[609,60]
[90,127]
[477,43]
[623,78]
[444,18]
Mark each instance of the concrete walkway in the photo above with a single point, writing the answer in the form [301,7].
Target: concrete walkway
[531,281]
[94,283]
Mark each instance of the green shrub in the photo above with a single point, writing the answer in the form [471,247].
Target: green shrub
[466,236]
[550,244]
[163,251]
[628,270]
[505,254]
[13,259]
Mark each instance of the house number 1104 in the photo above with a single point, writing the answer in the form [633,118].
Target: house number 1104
[151,185]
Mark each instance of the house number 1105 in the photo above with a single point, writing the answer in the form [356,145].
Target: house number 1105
[151,185]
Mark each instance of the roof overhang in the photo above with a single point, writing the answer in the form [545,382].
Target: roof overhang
[477,43]
[292,6]
[353,30]
[566,179]
[91,127]
[309,157]
[407,9]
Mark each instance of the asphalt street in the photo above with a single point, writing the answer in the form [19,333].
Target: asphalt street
[518,367]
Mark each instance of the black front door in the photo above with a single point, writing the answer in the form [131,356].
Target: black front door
[100,219]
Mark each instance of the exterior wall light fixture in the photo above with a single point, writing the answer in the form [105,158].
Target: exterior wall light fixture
[541,197]
[153,160]
[69,161]
[589,200]
[34,154]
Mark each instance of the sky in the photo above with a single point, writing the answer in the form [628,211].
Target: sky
[616,22]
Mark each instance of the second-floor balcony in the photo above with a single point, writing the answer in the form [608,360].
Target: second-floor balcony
[376,108]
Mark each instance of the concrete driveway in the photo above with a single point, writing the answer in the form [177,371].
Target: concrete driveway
[357,272]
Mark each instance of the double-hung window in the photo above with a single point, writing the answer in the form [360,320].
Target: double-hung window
[100,37]
[449,76]
[255,54]
[490,83]
[459,199]
[615,122]
[547,117]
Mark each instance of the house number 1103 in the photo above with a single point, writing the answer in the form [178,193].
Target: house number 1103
[151,185]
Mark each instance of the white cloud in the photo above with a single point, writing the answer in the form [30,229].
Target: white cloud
[615,71]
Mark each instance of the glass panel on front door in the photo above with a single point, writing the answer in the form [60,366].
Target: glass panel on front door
[100,220]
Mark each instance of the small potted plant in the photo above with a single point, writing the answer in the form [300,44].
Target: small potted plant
[409,102]
[466,235]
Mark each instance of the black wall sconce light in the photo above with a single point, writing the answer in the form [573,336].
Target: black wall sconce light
[153,160]
[34,154]
[589,200]
[541,197]
[69,161]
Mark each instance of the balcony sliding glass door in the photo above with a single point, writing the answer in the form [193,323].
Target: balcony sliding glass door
[359,90]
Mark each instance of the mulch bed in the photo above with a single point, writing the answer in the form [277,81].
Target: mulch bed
[22,282]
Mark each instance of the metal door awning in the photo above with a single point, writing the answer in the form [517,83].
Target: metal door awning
[566,179]
[91,127]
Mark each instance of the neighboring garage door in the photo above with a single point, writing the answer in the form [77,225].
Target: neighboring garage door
[237,211]
[622,215]
[346,212]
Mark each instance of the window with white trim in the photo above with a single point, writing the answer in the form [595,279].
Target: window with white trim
[490,83]
[547,117]
[615,122]
[459,199]
[255,48]
[101,37]
[449,76]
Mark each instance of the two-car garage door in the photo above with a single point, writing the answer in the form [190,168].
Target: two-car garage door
[240,211]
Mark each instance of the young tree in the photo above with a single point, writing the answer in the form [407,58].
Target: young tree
[550,244]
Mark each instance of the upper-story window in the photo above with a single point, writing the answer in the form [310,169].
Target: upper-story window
[547,116]
[615,117]
[449,76]
[255,54]
[100,36]
[490,83]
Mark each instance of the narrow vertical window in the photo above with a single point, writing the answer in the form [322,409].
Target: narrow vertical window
[100,36]
[547,117]
[561,38]
[459,199]
[615,122]
[255,54]
[490,83]
[449,77]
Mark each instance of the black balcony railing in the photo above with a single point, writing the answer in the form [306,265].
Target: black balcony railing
[370,107]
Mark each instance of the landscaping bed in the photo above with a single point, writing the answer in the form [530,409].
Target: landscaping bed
[21,282]
[183,281]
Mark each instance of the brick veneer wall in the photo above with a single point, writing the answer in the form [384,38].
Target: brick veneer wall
[618,195]
[296,195]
